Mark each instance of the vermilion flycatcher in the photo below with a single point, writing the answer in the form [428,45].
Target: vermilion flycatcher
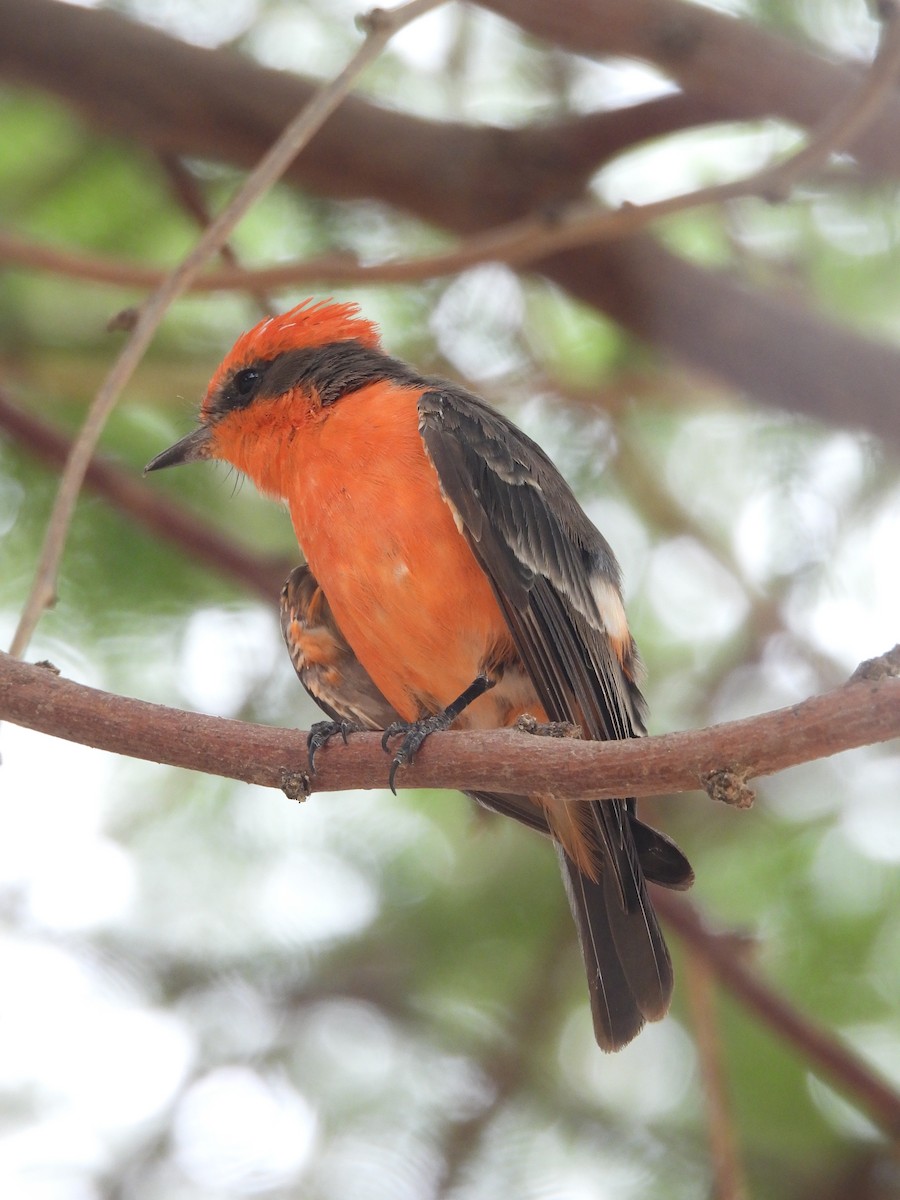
[454,579]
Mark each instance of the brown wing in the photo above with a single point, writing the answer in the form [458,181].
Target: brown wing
[557,583]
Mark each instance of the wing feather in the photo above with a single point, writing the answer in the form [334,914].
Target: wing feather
[543,556]
[548,564]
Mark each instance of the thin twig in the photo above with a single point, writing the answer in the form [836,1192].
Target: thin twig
[727,1169]
[189,194]
[381,26]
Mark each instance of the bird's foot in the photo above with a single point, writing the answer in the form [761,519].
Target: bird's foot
[321,733]
[414,734]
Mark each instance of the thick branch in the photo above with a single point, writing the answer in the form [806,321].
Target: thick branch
[470,179]
[732,63]
[463,176]
[784,354]
[859,713]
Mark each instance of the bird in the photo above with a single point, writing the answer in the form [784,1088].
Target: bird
[451,578]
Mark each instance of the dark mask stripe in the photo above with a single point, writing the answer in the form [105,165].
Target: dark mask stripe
[332,371]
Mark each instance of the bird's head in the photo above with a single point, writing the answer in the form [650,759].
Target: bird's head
[295,363]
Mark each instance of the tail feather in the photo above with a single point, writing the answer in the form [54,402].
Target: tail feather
[642,950]
[628,966]
[660,859]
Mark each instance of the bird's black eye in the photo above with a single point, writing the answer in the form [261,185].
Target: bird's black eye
[244,383]
[241,390]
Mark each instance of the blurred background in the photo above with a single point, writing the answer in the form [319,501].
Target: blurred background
[210,991]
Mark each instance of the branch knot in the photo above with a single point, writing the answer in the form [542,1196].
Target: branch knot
[729,785]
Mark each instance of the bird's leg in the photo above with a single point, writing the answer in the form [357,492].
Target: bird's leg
[321,733]
[415,732]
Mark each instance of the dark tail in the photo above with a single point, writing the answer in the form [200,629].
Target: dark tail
[660,859]
[628,966]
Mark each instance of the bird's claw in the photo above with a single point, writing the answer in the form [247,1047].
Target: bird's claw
[414,734]
[321,733]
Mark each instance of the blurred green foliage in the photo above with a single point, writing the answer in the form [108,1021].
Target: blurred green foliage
[376,997]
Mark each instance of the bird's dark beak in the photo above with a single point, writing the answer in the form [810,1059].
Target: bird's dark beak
[196,445]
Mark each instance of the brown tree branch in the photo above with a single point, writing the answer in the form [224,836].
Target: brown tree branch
[465,177]
[728,1171]
[517,243]
[469,179]
[859,713]
[729,62]
[766,344]
[847,119]
[817,1045]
